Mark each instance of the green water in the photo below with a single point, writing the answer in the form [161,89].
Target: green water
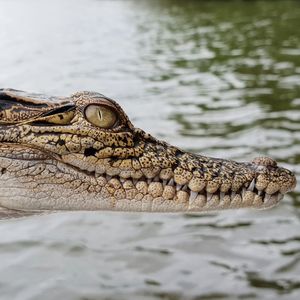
[220,78]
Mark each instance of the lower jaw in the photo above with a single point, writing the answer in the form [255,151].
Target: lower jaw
[75,201]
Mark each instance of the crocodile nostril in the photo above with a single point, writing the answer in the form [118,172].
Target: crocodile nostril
[264,161]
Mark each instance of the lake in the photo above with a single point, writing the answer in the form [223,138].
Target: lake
[221,78]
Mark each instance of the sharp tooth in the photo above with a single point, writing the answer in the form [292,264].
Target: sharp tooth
[193,196]
[165,182]
[149,180]
[208,196]
[122,179]
[280,196]
[134,181]
[251,185]
[108,177]
[267,197]
[222,196]
[185,188]
[156,178]
[171,182]
[178,187]
[259,193]
[243,192]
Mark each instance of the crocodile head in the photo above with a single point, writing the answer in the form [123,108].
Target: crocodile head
[83,153]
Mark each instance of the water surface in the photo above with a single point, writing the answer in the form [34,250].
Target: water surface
[220,78]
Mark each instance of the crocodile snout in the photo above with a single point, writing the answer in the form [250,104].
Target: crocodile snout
[83,153]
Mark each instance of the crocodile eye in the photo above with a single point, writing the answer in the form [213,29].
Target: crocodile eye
[101,116]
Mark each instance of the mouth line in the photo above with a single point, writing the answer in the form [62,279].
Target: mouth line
[248,196]
[243,197]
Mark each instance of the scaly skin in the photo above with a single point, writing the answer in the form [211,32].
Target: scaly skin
[53,158]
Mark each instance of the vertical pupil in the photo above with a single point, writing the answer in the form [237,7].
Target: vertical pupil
[100,114]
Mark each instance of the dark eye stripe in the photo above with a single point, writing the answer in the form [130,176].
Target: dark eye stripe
[59,110]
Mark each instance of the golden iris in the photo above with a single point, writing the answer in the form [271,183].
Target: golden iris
[101,116]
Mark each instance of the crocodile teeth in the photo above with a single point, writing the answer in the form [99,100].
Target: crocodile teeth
[222,196]
[171,182]
[267,197]
[156,178]
[243,192]
[108,177]
[149,180]
[208,196]
[251,185]
[280,196]
[259,193]
[164,182]
[185,188]
[178,187]
[193,196]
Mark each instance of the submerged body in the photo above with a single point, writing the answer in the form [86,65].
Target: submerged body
[83,153]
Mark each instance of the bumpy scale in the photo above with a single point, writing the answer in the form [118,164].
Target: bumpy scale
[83,153]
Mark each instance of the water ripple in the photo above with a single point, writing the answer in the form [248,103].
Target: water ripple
[214,77]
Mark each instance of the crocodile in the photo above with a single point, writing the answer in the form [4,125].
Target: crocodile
[82,152]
